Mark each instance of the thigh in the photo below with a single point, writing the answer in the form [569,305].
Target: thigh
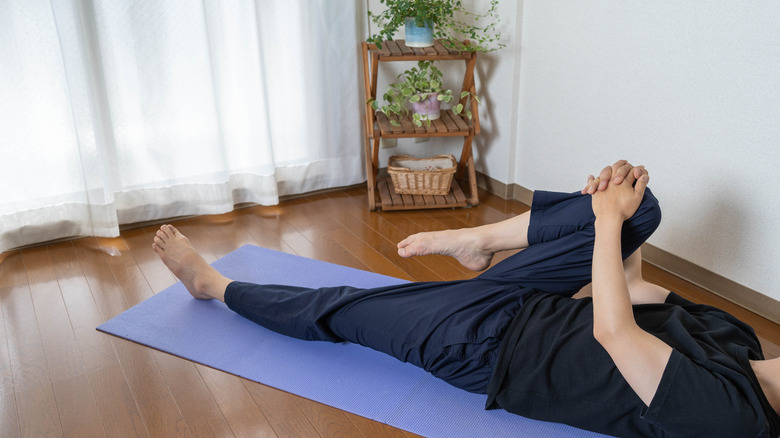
[561,234]
[451,329]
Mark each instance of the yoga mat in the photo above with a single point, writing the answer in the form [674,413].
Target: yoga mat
[346,376]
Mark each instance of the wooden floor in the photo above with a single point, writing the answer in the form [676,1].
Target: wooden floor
[59,376]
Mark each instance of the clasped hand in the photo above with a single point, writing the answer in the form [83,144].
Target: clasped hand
[611,197]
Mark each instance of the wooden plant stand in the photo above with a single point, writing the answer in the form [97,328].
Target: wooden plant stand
[380,190]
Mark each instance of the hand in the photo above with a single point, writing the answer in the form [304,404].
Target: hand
[614,174]
[621,200]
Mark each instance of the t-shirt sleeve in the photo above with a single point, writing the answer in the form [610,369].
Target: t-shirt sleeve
[693,401]
[673,298]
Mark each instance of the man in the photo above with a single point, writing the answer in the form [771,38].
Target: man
[633,360]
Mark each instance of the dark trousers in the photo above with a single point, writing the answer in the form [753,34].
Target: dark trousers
[451,329]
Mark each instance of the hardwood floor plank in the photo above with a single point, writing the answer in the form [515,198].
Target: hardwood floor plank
[128,275]
[118,411]
[195,402]
[77,408]
[263,224]
[6,372]
[157,407]
[372,229]
[375,429]
[93,254]
[282,412]
[25,347]
[94,347]
[236,404]
[57,337]
[9,425]
[329,421]
[37,411]
[374,260]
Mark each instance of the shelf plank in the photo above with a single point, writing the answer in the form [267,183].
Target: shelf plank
[440,49]
[448,125]
[406,50]
[438,52]
[393,201]
[440,126]
[394,49]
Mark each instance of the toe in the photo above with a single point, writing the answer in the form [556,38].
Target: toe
[173,231]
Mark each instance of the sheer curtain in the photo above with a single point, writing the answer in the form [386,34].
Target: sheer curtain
[120,112]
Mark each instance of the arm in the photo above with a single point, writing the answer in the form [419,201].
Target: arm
[639,356]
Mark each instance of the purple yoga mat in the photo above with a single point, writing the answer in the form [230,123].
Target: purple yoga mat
[345,376]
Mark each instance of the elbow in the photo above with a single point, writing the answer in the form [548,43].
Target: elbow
[606,333]
[600,333]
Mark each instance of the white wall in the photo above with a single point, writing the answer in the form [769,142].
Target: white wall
[690,89]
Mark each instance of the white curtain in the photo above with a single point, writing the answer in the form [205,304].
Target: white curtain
[115,112]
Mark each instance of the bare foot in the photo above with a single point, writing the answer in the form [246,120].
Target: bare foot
[200,279]
[461,244]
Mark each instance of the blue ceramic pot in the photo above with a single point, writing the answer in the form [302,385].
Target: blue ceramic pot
[418,36]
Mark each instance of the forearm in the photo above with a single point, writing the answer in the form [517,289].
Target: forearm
[612,311]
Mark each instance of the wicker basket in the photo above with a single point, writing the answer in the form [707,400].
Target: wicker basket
[422,176]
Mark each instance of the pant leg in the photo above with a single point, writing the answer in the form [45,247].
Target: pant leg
[561,234]
[451,329]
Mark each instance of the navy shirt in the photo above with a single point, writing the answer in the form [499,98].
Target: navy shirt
[551,368]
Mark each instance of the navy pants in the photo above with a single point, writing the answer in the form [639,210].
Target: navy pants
[451,329]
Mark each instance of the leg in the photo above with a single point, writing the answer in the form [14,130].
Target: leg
[200,279]
[472,247]
[451,329]
[561,235]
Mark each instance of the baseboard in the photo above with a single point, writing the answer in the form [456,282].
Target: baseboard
[505,191]
[743,296]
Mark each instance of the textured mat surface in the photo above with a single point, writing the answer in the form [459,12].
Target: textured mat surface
[345,376]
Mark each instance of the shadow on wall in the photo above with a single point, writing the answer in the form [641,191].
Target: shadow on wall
[484,73]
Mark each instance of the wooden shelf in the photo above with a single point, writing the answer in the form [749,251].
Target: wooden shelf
[448,125]
[390,200]
[398,51]
[377,126]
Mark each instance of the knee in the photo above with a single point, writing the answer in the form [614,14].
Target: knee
[649,212]
[642,224]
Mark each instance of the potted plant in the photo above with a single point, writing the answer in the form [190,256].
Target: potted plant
[446,20]
[422,87]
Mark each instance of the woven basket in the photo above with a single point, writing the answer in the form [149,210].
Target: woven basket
[422,176]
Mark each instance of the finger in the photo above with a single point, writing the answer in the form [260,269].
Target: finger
[605,175]
[643,174]
[587,185]
[639,171]
[631,177]
[620,163]
[621,169]
[594,185]
[641,184]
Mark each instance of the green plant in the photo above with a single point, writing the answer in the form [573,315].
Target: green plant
[416,84]
[452,23]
